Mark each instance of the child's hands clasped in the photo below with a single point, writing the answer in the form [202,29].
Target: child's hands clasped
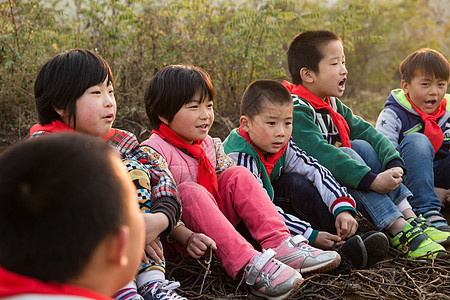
[387,181]
[198,244]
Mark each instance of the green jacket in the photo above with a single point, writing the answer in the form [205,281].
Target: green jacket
[314,132]
[236,143]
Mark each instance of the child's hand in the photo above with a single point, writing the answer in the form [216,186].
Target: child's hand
[198,243]
[346,225]
[387,181]
[397,171]
[325,240]
[155,250]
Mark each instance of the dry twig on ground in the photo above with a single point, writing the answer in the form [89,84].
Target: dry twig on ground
[397,277]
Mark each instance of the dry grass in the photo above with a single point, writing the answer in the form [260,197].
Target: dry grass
[397,277]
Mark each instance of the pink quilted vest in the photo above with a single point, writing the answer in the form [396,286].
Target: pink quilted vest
[182,166]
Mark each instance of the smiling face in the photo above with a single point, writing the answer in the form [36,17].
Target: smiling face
[332,75]
[194,119]
[425,92]
[271,129]
[95,110]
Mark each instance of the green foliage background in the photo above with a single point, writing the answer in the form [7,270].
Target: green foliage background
[236,42]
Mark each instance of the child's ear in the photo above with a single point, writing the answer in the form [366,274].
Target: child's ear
[60,112]
[306,75]
[244,122]
[405,86]
[117,251]
[164,120]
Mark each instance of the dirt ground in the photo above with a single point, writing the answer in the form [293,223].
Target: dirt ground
[396,277]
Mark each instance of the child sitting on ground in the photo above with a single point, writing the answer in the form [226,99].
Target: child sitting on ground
[295,181]
[74,92]
[69,222]
[358,156]
[416,119]
[216,195]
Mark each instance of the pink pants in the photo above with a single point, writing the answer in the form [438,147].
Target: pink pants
[242,199]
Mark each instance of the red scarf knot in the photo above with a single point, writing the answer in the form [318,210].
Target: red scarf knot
[432,129]
[269,161]
[207,176]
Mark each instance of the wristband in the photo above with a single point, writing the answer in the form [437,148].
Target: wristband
[189,237]
[179,223]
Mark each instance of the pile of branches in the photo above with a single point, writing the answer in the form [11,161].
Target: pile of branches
[397,277]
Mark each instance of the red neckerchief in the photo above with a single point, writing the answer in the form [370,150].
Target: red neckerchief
[318,103]
[268,162]
[207,176]
[432,129]
[55,126]
[13,284]
[58,126]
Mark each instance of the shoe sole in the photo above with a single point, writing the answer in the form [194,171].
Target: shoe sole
[439,254]
[377,247]
[284,296]
[323,267]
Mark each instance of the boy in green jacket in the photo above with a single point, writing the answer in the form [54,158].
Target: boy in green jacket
[357,155]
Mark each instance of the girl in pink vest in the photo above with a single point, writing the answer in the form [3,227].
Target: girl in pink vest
[216,195]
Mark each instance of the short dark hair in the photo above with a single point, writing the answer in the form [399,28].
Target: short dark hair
[261,91]
[172,87]
[427,61]
[64,78]
[59,198]
[305,51]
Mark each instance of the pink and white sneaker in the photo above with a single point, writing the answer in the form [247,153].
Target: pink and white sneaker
[270,278]
[296,253]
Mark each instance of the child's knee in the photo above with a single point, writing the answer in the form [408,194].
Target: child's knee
[417,142]
[190,189]
[353,154]
[236,171]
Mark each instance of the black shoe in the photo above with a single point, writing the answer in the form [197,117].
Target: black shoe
[354,252]
[377,246]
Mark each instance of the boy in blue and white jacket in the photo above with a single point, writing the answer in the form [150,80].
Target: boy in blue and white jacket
[262,144]
[416,119]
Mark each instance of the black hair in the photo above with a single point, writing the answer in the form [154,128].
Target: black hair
[64,78]
[60,196]
[261,91]
[172,87]
[427,61]
[305,51]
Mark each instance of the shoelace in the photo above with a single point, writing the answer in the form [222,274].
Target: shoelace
[270,268]
[168,287]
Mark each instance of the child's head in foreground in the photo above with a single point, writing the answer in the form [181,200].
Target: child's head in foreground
[316,60]
[77,88]
[68,210]
[266,115]
[425,77]
[181,97]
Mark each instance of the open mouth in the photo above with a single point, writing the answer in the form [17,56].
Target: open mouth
[342,83]
[430,103]
[203,127]
[109,117]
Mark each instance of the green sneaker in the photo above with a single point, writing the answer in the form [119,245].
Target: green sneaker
[439,236]
[413,242]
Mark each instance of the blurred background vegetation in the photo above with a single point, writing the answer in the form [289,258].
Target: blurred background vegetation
[235,41]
